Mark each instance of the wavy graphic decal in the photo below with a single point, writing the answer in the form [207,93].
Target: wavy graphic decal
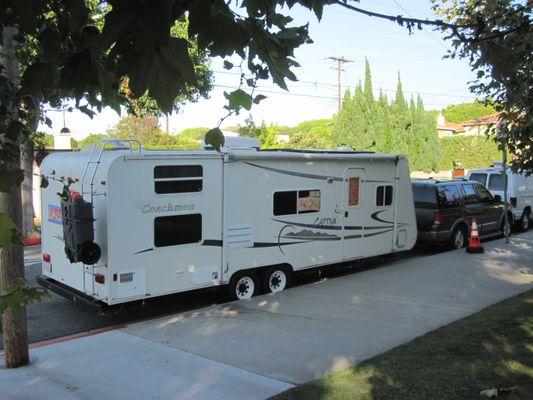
[294,173]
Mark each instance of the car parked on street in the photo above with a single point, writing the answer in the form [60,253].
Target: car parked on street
[445,209]
[519,191]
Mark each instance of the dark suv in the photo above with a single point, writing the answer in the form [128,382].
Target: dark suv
[445,209]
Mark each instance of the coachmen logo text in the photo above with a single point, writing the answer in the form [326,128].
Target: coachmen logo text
[149,208]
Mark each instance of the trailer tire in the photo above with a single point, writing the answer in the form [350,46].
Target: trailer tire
[243,285]
[276,279]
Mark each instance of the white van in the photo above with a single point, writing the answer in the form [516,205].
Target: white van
[519,191]
[174,221]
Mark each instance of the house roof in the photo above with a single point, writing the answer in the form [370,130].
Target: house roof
[485,120]
[451,126]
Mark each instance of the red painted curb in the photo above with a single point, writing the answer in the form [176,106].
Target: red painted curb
[68,338]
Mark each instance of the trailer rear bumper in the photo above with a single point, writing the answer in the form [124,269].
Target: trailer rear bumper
[68,292]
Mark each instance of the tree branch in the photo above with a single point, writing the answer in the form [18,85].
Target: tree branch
[398,18]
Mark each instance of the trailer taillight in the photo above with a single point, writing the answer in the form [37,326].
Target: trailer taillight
[99,278]
[513,201]
[46,257]
[438,218]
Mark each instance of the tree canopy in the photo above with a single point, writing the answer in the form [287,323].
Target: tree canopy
[467,111]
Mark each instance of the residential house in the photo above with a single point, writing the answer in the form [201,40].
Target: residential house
[477,126]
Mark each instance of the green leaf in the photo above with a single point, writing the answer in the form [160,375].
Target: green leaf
[19,295]
[258,98]
[8,232]
[239,98]
[26,13]
[39,77]
[164,72]
[214,137]
[10,176]
[228,65]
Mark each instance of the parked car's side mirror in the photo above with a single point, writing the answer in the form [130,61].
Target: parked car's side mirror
[497,198]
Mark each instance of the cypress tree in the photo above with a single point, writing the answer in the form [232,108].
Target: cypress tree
[368,83]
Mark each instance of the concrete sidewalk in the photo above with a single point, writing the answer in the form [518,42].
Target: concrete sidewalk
[257,348]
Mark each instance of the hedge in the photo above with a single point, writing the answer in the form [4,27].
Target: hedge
[470,151]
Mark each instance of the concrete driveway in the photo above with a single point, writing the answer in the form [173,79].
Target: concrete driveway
[257,348]
[315,329]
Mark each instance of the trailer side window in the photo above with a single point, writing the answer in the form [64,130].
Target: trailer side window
[177,229]
[296,202]
[178,178]
[384,195]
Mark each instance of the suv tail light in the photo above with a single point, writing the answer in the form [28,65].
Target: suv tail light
[513,201]
[438,218]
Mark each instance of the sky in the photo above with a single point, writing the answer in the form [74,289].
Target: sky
[389,48]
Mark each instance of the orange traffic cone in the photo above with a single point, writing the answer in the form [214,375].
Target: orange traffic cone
[474,244]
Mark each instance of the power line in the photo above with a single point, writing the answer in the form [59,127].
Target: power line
[423,29]
[317,83]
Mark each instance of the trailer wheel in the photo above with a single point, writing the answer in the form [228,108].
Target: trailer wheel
[244,285]
[276,279]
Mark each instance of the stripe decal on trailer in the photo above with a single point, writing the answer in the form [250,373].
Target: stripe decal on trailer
[294,173]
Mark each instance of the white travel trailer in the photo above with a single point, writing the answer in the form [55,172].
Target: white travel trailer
[519,191]
[175,221]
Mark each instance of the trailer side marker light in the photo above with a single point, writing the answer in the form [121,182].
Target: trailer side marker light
[99,278]
[46,257]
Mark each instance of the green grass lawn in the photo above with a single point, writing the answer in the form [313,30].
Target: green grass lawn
[490,349]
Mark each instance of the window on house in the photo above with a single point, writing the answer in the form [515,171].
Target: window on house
[177,229]
[296,202]
[384,195]
[178,178]
[353,192]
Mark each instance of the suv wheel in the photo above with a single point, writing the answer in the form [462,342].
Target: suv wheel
[458,239]
[505,229]
[524,222]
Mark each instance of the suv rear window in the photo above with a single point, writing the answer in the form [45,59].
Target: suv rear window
[424,196]
[479,177]
[496,182]
[448,196]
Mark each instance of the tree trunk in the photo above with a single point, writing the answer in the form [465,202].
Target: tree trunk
[12,260]
[26,163]
[12,263]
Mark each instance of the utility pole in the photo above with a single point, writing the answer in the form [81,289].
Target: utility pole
[340,61]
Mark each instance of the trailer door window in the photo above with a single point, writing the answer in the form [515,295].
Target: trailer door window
[178,178]
[353,192]
[384,195]
[177,229]
[296,202]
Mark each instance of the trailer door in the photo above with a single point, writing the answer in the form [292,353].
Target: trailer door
[352,213]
